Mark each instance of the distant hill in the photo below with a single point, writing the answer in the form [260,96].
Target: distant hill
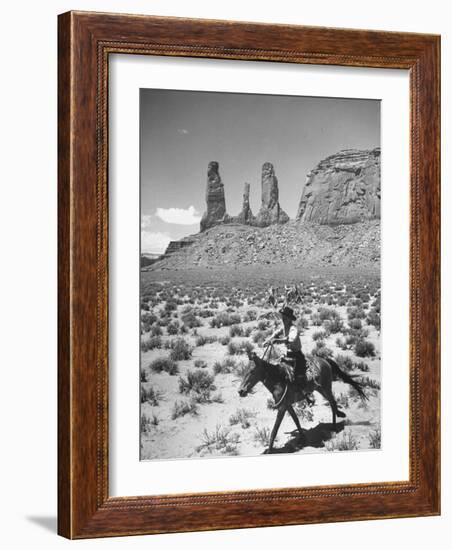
[293,243]
[148,259]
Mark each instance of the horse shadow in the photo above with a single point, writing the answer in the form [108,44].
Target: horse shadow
[314,437]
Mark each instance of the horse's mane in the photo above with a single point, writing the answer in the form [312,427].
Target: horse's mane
[273,370]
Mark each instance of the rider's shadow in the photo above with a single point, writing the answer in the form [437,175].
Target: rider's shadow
[314,437]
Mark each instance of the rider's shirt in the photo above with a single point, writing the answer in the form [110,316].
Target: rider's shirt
[293,340]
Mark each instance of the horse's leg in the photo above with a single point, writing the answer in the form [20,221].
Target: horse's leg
[294,417]
[328,395]
[279,417]
[333,404]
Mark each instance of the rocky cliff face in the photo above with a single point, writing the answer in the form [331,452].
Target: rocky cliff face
[301,245]
[216,206]
[271,211]
[343,188]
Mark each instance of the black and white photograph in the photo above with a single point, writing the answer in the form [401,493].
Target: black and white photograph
[259,274]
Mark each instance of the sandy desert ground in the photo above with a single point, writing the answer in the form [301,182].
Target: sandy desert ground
[196,327]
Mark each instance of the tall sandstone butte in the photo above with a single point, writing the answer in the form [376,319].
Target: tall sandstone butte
[343,188]
[271,211]
[246,215]
[216,206]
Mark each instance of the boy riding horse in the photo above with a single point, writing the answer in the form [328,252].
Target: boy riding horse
[293,361]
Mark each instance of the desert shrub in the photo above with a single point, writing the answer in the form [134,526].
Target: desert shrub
[216,398]
[173,328]
[373,318]
[247,331]
[326,313]
[262,435]
[200,364]
[164,364]
[321,350]
[181,408]
[340,343]
[235,330]
[302,323]
[259,336]
[148,319]
[238,348]
[203,340]
[241,416]
[263,324]
[343,400]
[206,313]
[376,304]
[219,440]
[270,403]
[224,341]
[144,306]
[319,335]
[224,367]
[375,439]
[170,305]
[345,362]
[224,319]
[303,409]
[234,348]
[242,368]
[355,323]
[316,319]
[151,343]
[334,326]
[150,395]
[156,330]
[355,313]
[180,350]
[346,442]
[145,423]
[364,348]
[190,320]
[250,315]
[198,381]
[363,367]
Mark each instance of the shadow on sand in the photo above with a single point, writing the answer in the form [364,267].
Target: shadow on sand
[315,437]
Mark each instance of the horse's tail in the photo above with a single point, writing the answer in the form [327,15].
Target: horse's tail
[347,378]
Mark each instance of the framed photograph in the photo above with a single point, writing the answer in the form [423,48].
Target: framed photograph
[249,259]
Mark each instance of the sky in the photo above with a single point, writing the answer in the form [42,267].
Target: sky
[182,131]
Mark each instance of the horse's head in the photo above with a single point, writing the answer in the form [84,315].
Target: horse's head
[254,374]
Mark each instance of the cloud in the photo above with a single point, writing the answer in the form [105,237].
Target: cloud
[145,221]
[182,131]
[154,242]
[179,216]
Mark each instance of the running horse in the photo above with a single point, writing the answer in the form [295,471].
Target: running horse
[319,377]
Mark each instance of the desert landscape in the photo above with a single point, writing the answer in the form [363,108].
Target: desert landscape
[205,305]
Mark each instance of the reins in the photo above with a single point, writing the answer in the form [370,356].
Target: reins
[282,398]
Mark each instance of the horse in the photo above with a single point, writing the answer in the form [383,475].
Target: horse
[319,377]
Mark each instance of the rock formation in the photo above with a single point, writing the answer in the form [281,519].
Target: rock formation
[246,215]
[343,188]
[216,206]
[270,212]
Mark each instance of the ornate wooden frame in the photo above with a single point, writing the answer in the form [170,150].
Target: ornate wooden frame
[85,42]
